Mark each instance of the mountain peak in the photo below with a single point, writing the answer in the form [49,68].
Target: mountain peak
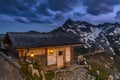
[69,21]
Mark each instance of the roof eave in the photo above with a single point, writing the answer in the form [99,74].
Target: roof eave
[50,46]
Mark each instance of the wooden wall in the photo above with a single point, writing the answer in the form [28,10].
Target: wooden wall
[49,58]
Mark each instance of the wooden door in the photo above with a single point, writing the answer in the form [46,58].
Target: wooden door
[60,59]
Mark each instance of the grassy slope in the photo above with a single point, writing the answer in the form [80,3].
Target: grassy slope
[101,62]
[28,76]
[24,71]
[117,62]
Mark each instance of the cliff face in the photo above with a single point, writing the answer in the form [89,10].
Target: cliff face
[8,69]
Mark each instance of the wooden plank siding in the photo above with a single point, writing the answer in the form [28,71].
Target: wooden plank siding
[67,54]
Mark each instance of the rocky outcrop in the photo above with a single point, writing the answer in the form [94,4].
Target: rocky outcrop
[9,70]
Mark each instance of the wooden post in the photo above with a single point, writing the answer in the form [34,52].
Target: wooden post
[86,75]
[43,75]
[71,55]
[45,57]
[64,56]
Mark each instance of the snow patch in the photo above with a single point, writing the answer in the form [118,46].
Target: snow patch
[112,50]
[117,30]
[82,26]
[70,30]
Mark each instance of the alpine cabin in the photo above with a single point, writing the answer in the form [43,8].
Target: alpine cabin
[52,50]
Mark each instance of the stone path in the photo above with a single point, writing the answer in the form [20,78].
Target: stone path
[75,72]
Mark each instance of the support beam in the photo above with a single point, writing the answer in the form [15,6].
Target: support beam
[45,57]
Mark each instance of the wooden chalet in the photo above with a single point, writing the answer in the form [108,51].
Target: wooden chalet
[53,50]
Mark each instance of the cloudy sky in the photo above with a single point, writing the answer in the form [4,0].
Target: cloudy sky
[45,15]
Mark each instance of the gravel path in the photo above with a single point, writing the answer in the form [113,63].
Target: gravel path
[75,72]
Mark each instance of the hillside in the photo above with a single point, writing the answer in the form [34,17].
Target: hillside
[105,63]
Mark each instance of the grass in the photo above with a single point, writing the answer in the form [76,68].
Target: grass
[50,75]
[80,50]
[117,62]
[26,74]
[97,62]
[104,72]
[24,71]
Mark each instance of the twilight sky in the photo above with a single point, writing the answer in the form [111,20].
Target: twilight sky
[45,15]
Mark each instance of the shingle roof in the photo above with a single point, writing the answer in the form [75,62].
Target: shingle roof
[29,40]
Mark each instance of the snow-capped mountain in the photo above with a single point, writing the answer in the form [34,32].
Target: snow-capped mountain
[105,37]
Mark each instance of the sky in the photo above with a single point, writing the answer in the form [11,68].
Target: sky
[46,15]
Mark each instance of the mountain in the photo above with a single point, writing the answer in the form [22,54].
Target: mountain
[101,37]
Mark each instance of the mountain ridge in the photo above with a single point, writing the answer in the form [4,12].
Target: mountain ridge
[102,36]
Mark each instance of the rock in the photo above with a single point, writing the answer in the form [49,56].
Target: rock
[110,77]
[8,71]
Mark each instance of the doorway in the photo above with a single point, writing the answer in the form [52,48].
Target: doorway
[60,59]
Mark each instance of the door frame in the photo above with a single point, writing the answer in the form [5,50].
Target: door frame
[57,55]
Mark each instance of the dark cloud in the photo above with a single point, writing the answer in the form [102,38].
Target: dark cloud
[7,3]
[8,11]
[30,3]
[96,7]
[78,14]
[34,10]
[117,15]
[28,14]
[47,11]
[59,16]
[41,21]
[18,8]
[43,9]
[23,5]
[12,7]
[59,5]
[22,20]
[7,7]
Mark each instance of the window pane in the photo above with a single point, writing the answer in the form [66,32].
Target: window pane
[60,53]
